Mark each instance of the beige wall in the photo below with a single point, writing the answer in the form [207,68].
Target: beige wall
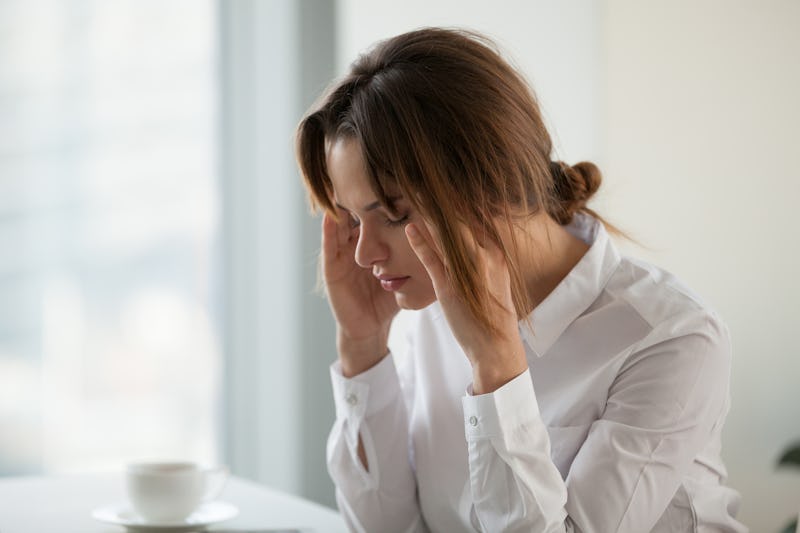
[551,42]
[700,140]
[691,109]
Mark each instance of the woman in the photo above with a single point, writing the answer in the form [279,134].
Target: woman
[551,384]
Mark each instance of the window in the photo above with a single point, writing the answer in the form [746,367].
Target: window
[109,346]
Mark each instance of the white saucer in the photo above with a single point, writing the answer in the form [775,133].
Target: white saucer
[207,514]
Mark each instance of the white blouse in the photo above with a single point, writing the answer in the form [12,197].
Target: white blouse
[615,427]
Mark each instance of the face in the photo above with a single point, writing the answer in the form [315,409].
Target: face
[382,246]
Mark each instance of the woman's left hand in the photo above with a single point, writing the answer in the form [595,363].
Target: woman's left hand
[496,358]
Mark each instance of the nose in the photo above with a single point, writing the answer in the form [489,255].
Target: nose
[370,248]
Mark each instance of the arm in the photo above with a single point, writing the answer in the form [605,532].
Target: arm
[514,484]
[661,410]
[368,446]
[381,495]
[666,401]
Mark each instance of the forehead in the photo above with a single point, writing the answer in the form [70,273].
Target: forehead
[352,183]
[345,158]
[347,170]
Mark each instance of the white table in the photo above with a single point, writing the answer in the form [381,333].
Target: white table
[64,504]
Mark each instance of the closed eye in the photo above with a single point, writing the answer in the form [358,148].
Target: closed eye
[392,223]
[388,221]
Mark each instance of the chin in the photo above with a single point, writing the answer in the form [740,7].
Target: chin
[414,302]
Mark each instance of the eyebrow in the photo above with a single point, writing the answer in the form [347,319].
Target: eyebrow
[370,207]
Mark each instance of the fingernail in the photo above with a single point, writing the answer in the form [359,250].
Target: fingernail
[411,231]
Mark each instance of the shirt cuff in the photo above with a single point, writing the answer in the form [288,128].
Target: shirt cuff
[509,407]
[368,392]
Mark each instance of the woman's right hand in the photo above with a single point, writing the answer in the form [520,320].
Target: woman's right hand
[362,309]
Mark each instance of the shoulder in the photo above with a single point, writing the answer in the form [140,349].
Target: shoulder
[679,366]
[676,317]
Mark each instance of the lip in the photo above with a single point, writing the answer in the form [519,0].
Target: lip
[392,283]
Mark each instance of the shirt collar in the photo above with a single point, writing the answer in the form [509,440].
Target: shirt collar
[577,290]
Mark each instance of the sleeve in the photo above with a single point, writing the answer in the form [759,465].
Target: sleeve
[515,486]
[662,408]
[371,405]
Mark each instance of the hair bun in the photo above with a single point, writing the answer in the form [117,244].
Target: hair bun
[574,187]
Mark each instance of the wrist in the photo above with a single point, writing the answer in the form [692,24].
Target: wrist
[359,355]
[489,374]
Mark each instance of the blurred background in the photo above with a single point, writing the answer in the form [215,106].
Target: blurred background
[157,259]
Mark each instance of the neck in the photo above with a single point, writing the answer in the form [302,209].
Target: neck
[547,253]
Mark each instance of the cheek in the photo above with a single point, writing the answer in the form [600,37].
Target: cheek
[422,281]
[400,251]
[408,258]
[405,259]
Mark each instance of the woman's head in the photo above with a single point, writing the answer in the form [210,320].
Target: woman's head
[443,122]
[381,241]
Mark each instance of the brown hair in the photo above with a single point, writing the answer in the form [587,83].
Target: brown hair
[442,117]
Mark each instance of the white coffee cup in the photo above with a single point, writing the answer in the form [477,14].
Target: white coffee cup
[170,491]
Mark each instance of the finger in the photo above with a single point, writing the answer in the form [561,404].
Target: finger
[422,246]
[490,262]
[430,235]
[481,247]
[470,240]
[340,221]
[329,238]
[343,229]
[494,250]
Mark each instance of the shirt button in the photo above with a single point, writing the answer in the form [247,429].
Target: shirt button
[351,398]
[473,421]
